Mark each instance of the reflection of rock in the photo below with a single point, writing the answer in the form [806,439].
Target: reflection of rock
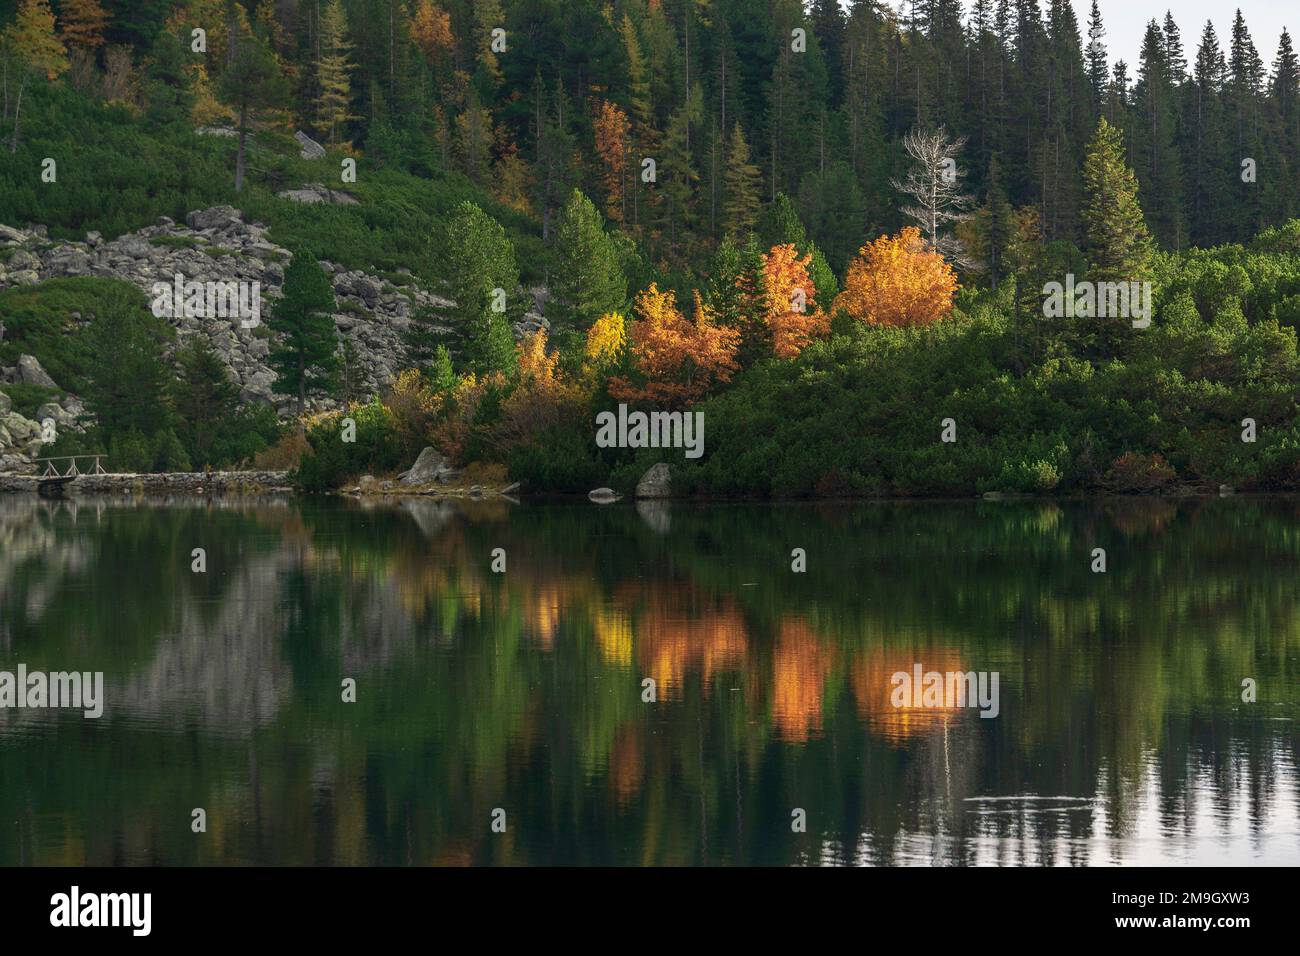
[655,483]
[603,496]
[656,515]
[430,515]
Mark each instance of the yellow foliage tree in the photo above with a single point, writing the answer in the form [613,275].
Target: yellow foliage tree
[430,29]
[898,280]
[31,37]
[333,71]
[789,301]
[680,359]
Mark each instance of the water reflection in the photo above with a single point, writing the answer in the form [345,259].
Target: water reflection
[1122,736]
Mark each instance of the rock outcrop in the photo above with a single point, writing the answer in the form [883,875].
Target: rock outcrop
[217,245]
[655,483]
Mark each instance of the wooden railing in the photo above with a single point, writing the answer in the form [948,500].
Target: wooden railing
[52,470]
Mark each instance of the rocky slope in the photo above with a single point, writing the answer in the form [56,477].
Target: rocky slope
[217,245]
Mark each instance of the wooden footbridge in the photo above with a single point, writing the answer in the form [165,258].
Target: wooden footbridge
[52,482]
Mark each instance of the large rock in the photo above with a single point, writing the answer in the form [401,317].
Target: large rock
[6,403]
[430,466]
[10,235]
[655,483]
[218,217]
[31,373]
[318,193]
[310,148]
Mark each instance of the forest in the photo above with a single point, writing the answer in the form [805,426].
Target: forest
[829,227]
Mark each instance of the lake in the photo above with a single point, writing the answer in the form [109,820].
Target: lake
[516,700]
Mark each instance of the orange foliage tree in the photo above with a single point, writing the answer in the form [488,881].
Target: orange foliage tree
[898,280]
[431,31]
[789,301]
[612,128]
[680,359]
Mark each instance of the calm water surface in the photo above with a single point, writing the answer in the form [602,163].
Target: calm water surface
[1121,739]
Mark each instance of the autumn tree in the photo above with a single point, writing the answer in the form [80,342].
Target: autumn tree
[333,72]
[790,303]
[611,130]
[677,360]
[741,183]
[31,42]
[82,23]
[899,281]
[430,31]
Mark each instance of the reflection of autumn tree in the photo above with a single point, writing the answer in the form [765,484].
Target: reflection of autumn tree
[872,677]
[801,664]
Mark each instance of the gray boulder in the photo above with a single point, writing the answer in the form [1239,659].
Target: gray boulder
[31,373]
[310,148]
[430,466]
[6,403]
[603,496]
[655,483]
[317,193]
[218,217]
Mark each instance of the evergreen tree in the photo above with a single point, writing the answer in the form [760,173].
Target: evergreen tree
[251,84]
[127,380]
[1118,246]
[588,280]
[306,357]
[1098,71]
[481,270]
[206,399]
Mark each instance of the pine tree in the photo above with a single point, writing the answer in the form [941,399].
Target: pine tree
[1118,246]
[742,184]
[251,84]
[1098,72]
[1156,159]
[205,398]
[306,357]
[333,72]
[127,379]
[479,259]
[588,280]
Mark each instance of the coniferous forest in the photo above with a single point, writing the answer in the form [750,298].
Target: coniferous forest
[830,227]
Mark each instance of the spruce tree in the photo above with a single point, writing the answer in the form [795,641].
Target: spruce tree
[1118,246]
[307,355]
[588,280]
[205,398]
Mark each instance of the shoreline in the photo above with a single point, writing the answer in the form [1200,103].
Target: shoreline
[277,484]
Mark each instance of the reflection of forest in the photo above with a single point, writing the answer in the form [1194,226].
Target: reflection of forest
[1120,708]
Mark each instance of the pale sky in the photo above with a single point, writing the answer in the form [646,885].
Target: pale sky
[1125,22]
